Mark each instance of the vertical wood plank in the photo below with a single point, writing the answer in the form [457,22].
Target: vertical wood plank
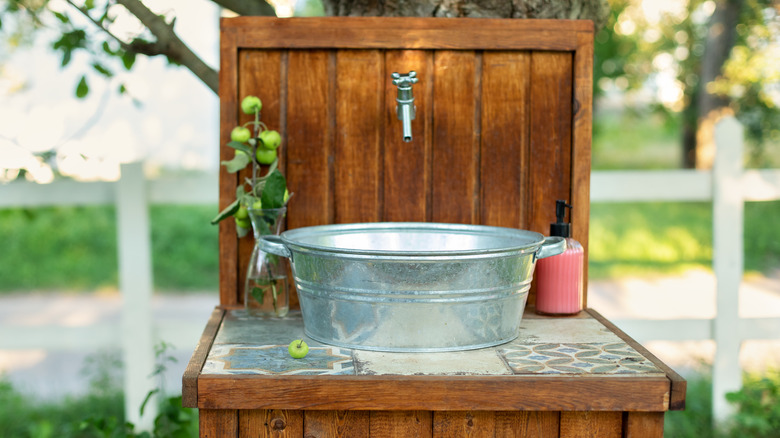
[455,138]
[401,424]
[407,165]
[228,111]
[308,138]
[591,424]
[464,424]
[359,122]
[262,423]
[259,75]
[581,148]
[527,424]
[218,423]
[336,423]
[550,123]
[643,425]
[504,146]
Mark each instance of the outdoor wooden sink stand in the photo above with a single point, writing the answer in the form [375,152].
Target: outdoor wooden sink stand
[503,129]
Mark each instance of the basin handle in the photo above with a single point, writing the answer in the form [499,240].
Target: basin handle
[552,245]
[274,245]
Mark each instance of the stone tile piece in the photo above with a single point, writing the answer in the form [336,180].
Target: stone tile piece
[240,328]
[613,358]
[563,330]
[475,362]
[275,359]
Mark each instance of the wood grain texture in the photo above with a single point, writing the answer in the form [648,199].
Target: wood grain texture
[218,423]
[534,393]
[309,137]
[474,424]
[504,145]
[336,424]
[259,75]
[591,425]
[189,386]
[360,115]
[678,385]
[270,424]
[400,424]
[228,116]
[525,424]
[455,138]
[643,425]
[581,148]
[406,33]
[407,165]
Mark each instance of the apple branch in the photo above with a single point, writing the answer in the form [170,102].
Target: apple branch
[167,44]
[246,7]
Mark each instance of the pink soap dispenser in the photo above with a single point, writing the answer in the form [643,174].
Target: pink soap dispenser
[559,278]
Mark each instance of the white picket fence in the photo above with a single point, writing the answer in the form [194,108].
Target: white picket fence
[728,186]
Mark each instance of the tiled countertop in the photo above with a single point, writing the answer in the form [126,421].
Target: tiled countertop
[580,346]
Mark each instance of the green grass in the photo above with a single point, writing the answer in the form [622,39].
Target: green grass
[74,248]
[629,140]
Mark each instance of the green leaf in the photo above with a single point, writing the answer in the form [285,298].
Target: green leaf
[102,70]
[237,163]
[62,17]
[128,59]
[273,192]
[240,146]
[226,212]
[257,293]
[82,89]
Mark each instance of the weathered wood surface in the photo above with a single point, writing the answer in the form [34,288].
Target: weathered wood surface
[192,372]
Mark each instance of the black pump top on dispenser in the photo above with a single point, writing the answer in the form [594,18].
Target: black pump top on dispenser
[560,228]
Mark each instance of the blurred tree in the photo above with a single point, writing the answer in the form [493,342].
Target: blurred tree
[696,61]
[88,25]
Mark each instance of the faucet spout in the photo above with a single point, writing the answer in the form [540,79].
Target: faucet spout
[405,109]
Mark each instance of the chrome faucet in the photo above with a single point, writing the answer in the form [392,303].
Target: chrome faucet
[405,101]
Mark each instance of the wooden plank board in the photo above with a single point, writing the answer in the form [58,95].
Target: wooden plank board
[678,385]
[643,425]
[309,137]
[527,424]
[455,138]
[475,424]
[340,423]
[406,33]
[228,115]
[189,386]
[545,393]
[591,425]
[581,147]
[407,165]
[400,424]
[504,145]
[218,423]
[269,423]
[359,114]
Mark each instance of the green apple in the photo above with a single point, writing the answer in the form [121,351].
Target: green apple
[242,212]
[240,134]
[257,205]
[243,223]
[265,156]
[251,104]
[298,349]
[271,139]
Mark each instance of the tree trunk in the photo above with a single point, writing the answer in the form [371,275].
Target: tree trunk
[596,10]
[721,36]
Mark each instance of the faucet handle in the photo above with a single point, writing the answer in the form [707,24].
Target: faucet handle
[406,80]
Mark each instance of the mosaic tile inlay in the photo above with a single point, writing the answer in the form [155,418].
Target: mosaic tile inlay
[275,359]
[579,358]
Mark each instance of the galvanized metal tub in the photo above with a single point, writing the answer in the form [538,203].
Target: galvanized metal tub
[412,287]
